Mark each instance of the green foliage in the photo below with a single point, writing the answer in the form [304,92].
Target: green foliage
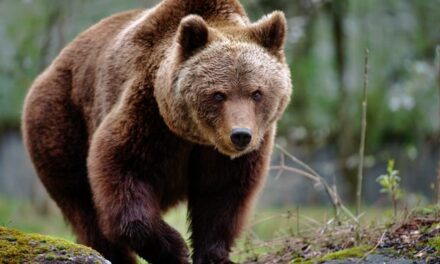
[427,210]
[32,33]
[390,182]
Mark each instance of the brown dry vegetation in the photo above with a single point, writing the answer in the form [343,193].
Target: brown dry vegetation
[415,235]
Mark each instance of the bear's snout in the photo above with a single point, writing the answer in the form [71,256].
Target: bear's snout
[241,137]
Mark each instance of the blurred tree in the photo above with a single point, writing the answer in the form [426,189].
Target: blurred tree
[345,132]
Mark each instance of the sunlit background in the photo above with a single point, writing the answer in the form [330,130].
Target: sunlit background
[325,50]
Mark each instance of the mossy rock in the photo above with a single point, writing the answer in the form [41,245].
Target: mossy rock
[354,252]
[435,243]
[18,247]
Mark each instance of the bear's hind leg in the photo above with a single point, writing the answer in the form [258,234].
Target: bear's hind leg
[56,139]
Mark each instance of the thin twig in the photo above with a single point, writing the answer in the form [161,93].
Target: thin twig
[348,212]
[311,174]
[438,80]
[268,218]
[335,190]
[363,132]
[373,249]
[333,197]
[295,159]
[311,220]
[297,221]
[282,163]
[295,170]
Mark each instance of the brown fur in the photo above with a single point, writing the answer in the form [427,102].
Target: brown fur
[123,125]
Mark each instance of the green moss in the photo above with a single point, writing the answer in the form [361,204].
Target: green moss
[435,243]
[354,252]
[50,256]
[19,247]
[301,260]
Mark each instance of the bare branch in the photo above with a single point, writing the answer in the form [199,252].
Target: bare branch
[311,174]
[438,80]
[363,132]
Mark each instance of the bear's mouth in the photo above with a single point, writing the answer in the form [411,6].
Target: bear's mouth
[232,151]
[225,146]
[240,148]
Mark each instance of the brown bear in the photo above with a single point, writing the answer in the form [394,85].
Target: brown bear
[149,108]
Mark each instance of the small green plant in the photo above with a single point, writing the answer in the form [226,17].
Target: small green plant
[390,183]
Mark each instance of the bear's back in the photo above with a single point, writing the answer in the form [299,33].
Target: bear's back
[84,58]
[106,56]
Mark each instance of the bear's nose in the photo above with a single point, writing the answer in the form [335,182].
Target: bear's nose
[241,137]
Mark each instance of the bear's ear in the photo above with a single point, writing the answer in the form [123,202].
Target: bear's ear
[192,35]
[270,32]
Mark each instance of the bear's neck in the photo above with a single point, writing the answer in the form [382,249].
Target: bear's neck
[172,107]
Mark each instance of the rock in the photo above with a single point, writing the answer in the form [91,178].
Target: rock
[377,259]
[18,247]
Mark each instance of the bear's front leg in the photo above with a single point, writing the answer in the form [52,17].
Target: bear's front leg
[129,214]
[127,203]
[221,192]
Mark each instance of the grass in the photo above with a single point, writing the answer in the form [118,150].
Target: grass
[265,224]
[21,215]
[269,223]
[279,232]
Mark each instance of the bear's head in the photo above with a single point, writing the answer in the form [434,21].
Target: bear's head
[225,86]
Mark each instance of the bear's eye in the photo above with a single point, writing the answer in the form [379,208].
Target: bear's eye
[219,97]
[257,96]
